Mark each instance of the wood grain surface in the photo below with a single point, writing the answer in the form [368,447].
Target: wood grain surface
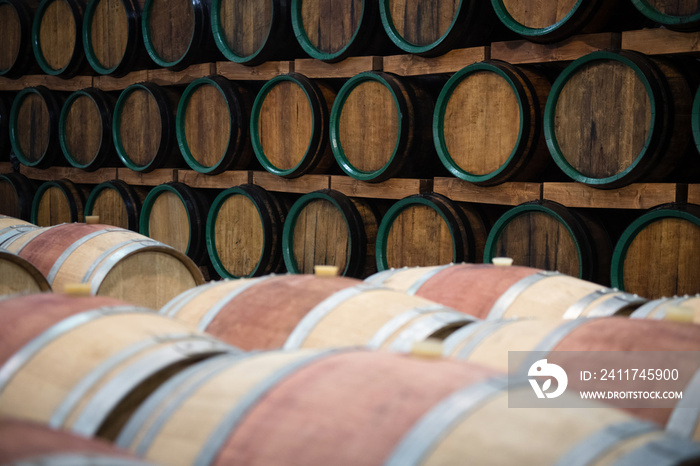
[169,221]
[109,32]
[419,236]
[11,36]
[83,130]
[239,235]
[423,22]
[170,28]
[9,199]
[140,127]
[676,7]
[110,207]
[207,125]
[19,276]
[53,208]
[536,14]
[57,34]
[245,24]
[330,25]
[321,236]
[33,127]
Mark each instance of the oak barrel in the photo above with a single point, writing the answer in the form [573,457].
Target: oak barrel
[487,126]
[112,36]
[56,37]
[678,308]
[326,227]
[116,203]
[112,261]
[16,56]
[17,275]
[429,229]
[34,127]
[213,125]
[380,127]
[85,129]
[549,236]
[175,214]
[679,16]
[289,125]
[495,292]
[143,127]
[646,100]
[132,351]
[355,407]
[16,195]
[5,107]
[58,201]
[304,311]
[656,254]
[244,232]
[11,227]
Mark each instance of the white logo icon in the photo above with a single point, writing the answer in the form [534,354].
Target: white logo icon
[542,368]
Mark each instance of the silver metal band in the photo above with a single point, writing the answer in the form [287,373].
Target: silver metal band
[389,328]
[75,459]
[686,414]
[71,249]
[10,241]
[458,336]
[104,256]
[12,232]
[666,451]
[379,278]
[175,305]
[427,276]
[549,342]
[646,310]
[423,328]
[616,304]
[481,331]
[508,298]
[107,265]
[575,310]
[223,302]
[312,318]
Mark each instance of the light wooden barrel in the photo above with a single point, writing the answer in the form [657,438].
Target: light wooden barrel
[116,203]
[434,27]
[56,202]
[549,236]
[648,100]
[655,256]
[16,56]
[294,312]
[679,16]
[175,214]
[33,444]
[252,32]
[328,228]
[18,275]
[252,219]
[112,36]
[92,393]
[85,129]
[487,127]
[492,292]
[289,125]
[679,308]
[112,261]
[213,125]
[354,407]
[16,195]
[143,127]
[56,37]
[489,343]
[34,127]
[380,127]
[11,227]
[429,229]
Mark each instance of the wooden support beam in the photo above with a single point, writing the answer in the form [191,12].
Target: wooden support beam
[503,194]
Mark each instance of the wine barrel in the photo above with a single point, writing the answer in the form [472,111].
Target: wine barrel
[355,407]
[19,276]
[143,127]
[328,228]
[647,100]
[34,127]
[5,106]
[112,261]
[552,22]
[244,232]
[132,351]
[487,127]
[57,39]
[112,36]
[679,308]
[493,293]
[32,444]
[434,27]
[289,125]
[16,195]
[429,229]
[11,227]
[303,311]
[56,202]
[679,16]
[16,56]
[380,127]
[116,203]
[252,32]
[695,119]
[549,236]
[213,125]
[85,129]
[666,238]
[175,214]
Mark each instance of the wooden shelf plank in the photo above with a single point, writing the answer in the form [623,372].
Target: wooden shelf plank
[5,167]
[222,181]
[302,185]
[523,51]
[347,68]
[661,41]
[52,82]
[634,196]
[694,194]
[165,77]
[76,175]
[451,62]
[503,194]
[395,188]
[154,178]
[267,70]
[108,83]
